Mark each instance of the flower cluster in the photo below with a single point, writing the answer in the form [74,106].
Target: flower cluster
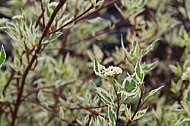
[186,75]
[112,71]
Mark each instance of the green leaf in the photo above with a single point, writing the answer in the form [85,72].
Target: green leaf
[2,56]
[52,37]
[128,113]
[135,49]
[176,69]
[61,113]
[111,116]
[129,84]
[151,93]
[182,121]
[183,34]
[142,3]
[175,87]
[104,95]
[148,67]
[98,68]
[188,96]
[149,48]
[186,106]
[140,114]
[139,72]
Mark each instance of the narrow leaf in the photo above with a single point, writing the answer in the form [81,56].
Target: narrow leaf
[183,34]
[149,48]
[148,67]
[98,68]
[104,95]
[135,49]
[176,69]
[111,116]
[2,55]
[140,114]
[151,93]
[139,72]
[52,37]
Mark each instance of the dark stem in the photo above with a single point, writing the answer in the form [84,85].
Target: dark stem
[139,105]
[28,68]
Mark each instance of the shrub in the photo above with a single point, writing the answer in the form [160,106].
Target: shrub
[53,50]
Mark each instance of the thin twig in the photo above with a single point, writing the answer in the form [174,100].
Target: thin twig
[139,105]
[28,68]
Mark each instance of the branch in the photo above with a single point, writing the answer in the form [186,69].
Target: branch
[28,68]
[140,103]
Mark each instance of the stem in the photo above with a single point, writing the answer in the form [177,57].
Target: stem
[118,99]
[139,105]
[28,68]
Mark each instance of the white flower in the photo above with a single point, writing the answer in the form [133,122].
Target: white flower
[112,71]
[186,75]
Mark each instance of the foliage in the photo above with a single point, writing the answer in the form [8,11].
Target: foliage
[52,51]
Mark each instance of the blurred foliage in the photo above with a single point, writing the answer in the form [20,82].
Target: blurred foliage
[47,60]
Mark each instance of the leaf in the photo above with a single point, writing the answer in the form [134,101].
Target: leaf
[2,56]
[141,3]
[181,121]
[111,116]
[135,49]
[176,69]
[41,96]
[122,44]
[128,112]
[188,96]
[61,113]
[140,114]
[104,95]
[183,34]
[98,52]
[94,20]
[98,68]
[52,37]
[149,48]
[151,93]
[148,67]
[129,84]
[139,72]
[186,106]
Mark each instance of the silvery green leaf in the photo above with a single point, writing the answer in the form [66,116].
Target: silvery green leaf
[149,48]
[2,56]
[183,34]
[181,121]
[128,112]
[186,106]
[151,93]
[61,113]
[134,52]
[111,116]
[52,37]
[98,68]
[139,72]
[140,114]
[148,67]
[142,3]
[104,95]
[129,84]
[176,69]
